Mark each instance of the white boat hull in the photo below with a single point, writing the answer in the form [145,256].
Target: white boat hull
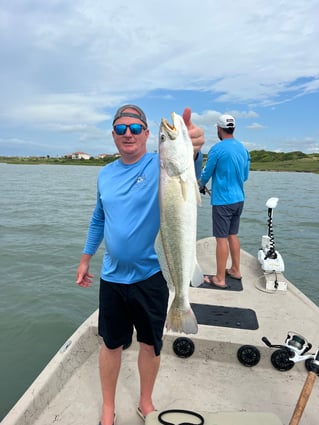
[211,380]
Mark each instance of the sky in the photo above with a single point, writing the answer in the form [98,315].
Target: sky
[66,66]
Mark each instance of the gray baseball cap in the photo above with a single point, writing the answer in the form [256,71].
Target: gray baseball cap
[139,113]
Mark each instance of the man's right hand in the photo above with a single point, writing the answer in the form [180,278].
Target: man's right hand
[83,277]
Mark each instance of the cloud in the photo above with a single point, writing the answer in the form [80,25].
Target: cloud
[255,126]
[65,65]
[58,109]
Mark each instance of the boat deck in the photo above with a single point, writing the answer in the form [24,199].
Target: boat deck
[210,380]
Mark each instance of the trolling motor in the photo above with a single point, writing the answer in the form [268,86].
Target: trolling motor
[269,258]
[293,351]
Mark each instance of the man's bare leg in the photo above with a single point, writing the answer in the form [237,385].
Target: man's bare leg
[234,246]
[148,365]
[222,252]
[110,363]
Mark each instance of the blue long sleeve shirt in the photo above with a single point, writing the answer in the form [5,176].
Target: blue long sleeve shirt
[127,217]
[227,165]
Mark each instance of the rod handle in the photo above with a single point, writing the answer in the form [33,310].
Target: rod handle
[303,398]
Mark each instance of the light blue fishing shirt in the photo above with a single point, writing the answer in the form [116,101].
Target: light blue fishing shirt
[228,163]
[127,217]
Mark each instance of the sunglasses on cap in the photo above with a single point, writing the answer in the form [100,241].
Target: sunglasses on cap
[120,129]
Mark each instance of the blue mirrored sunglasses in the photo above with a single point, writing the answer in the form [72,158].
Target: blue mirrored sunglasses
[120,129]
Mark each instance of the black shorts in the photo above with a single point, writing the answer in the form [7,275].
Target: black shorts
[226,219]
[142,305]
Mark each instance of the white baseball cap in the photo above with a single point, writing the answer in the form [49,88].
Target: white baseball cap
[226,121]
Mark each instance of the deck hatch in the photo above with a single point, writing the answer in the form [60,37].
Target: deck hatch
[228,317]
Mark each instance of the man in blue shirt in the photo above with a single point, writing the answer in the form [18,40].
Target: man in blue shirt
[228,166]
[133,291]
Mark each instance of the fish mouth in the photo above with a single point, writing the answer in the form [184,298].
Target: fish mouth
[167,125]
[170,129]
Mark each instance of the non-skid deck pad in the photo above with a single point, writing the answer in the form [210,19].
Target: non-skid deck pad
[232,285]
[228,317]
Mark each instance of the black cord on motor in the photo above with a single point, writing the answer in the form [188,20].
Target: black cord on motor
[187,412]
[272,250]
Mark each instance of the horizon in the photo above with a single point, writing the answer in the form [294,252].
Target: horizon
[64,156]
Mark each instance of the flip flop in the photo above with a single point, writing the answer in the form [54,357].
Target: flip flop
[231,275]
[212,283]
[140,414]
[114,420]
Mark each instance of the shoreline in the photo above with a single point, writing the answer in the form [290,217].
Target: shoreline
[298,165]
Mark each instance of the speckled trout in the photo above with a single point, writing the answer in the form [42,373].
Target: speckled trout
[175,244]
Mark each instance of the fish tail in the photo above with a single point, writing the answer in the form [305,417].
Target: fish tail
[181,320]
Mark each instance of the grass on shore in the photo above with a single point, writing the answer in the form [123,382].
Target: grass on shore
[299,165]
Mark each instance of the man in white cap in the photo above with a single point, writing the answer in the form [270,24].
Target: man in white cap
[228,166]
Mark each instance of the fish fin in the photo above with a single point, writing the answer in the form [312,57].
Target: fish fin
[162,260]
[184,183]
[181,320]
[198,277]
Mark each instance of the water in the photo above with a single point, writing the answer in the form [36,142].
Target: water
[44,216]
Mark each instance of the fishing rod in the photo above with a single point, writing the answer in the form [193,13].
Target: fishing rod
[306,390]
[295,350]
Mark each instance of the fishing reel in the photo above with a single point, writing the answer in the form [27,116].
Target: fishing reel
[293,351]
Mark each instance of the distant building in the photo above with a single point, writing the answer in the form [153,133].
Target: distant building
[83,155]
[107,155]
[80,155]
[103,155]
